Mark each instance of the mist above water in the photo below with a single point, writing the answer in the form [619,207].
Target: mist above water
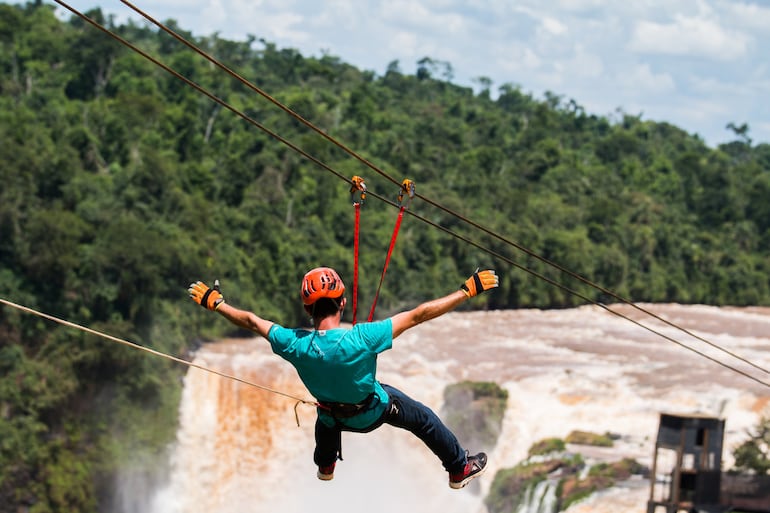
[239,449]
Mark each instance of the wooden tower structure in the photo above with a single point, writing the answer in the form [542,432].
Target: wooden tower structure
[686,465]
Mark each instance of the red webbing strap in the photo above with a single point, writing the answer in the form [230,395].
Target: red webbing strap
[355,259]
[357,196]
[387,259]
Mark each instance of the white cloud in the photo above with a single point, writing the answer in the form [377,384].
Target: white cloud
[715,88]
[418,16]
[580,5]
[696,112]
[760,131]
[288,28]
[546,23]
[643,81]
[530,59]
[553,26]
[403,43]
[688,36]
[587,64]
[336,14]
[214,13]
[749,15]
[404,10]
[660,57]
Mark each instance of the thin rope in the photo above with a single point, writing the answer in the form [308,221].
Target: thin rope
[158,353]
[340,176]
[447,210]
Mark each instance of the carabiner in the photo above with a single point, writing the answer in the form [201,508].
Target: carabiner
[358,187]
[407,187]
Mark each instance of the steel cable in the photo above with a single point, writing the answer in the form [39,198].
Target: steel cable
[447,210]
[430,202]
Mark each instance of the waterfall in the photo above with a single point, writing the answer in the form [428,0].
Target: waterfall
[540,498]
[239,450]
[226,456]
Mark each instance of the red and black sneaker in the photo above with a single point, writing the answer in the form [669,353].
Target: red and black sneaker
[326,473]
[475,466]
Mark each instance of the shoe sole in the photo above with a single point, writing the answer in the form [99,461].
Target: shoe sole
[461,484]
[325,477]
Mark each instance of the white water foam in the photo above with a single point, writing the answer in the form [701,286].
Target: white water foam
[239,449]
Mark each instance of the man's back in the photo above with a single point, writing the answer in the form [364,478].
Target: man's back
[337,365]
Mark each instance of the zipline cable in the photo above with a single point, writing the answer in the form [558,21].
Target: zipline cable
[464,239]
[154,352]
[201,90]
[257,90]
[587,299]
[598,287]
[447,210]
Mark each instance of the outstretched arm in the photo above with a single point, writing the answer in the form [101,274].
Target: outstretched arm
[426,311]
[211,299]
[245,319]
[479,282]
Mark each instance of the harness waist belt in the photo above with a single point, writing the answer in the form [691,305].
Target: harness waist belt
[345,410]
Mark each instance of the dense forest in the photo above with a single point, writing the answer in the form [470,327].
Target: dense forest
[120,184]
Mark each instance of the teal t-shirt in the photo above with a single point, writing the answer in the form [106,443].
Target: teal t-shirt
[338,365]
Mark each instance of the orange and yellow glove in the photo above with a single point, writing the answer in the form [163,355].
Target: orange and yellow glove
[210,298]
[480,282]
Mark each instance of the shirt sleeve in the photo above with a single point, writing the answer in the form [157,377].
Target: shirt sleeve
[280,338]
[378,336]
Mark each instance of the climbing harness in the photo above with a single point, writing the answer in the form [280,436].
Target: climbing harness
[347,410]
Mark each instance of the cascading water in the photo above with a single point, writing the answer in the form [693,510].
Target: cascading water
[239,450]
[540,498]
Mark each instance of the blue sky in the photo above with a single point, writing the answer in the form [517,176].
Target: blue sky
[698,64]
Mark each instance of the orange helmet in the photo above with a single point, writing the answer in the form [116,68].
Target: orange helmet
[321,282]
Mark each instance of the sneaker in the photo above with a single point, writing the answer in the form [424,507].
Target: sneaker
[475,466]
[326,473]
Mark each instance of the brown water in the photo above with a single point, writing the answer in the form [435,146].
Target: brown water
[239,449]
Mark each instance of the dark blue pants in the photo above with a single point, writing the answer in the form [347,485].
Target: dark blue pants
[405,413]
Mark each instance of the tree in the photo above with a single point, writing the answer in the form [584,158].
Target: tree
[753,455]
[741,131]
[120,184]
[93,56]
[485,84]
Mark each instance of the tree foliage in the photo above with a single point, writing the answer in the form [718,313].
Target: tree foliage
[753,455]
[120,185]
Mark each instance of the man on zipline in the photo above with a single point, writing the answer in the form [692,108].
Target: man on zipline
[338,367]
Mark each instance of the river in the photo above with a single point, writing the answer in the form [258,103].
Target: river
[239,449]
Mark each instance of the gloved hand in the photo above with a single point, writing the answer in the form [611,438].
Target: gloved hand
[210,298]
[479,282]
